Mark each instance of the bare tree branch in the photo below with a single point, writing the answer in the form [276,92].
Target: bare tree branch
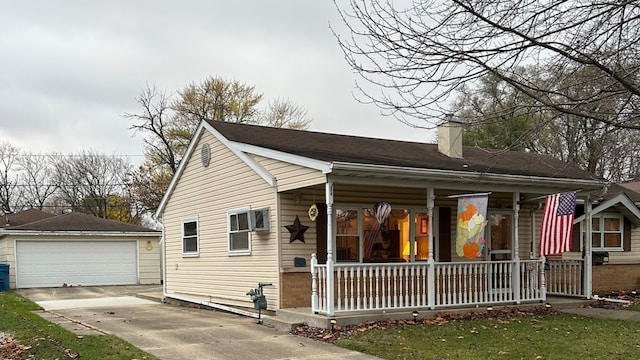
[8,180]
[418,57]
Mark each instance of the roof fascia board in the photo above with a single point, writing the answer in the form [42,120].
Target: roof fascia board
[323,166]
[442,184]
[437,174]
[262,172]
[621,198]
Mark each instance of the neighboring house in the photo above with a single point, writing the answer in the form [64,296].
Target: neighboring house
[237,212]
[615,246]
[75,249]
[24,217]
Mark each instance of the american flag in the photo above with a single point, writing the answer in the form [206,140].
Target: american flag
[557,223]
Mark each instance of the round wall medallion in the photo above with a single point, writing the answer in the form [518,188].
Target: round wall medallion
[205,154]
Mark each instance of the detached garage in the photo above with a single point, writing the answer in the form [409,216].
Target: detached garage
[80,250]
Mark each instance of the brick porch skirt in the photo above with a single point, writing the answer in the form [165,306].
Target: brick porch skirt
[295,289]
[611,277]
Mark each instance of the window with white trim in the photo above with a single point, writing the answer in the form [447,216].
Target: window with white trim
[607,231]
[190,239]
[347,235]
[239,226]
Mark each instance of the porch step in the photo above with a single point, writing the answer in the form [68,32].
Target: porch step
[289,319]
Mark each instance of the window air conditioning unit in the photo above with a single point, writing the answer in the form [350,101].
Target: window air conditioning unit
[260,220]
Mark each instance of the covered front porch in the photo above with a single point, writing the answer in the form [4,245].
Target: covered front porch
[424,273]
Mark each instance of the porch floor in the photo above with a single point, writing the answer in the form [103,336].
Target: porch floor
[288,319]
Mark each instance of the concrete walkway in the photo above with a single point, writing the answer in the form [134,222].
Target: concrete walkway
[110,301]
[175,332]
[604,313]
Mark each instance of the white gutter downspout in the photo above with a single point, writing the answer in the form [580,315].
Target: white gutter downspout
[164,262]
[190,299]
[431,275]
[588,275]
[532,251]
[331,238]
[516,247]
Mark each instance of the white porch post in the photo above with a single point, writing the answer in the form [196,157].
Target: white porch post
[314,283]
[431,271]
[516,249]
[330,241]
[588,275]
[534,253]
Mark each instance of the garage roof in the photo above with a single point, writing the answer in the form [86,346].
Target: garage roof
[81,222]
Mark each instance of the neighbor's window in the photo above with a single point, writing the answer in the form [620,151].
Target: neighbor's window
[239,232]
[607,231]
[190,243]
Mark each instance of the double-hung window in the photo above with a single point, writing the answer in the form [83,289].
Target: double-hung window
[347,235]
[607,232]
[239,222]
[190,241]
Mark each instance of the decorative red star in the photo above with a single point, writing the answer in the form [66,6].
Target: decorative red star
[296,230]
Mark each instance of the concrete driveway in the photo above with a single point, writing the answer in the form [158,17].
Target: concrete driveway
[174,332]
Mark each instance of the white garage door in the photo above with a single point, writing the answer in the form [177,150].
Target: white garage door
[75,263]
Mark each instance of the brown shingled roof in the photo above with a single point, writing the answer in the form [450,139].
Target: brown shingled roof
[24,217]
[362,150]
[632,189]
[81,222]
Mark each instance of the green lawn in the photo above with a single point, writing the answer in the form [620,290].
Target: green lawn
[528,337]
[44,340]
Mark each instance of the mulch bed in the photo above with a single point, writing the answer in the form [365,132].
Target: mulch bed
[338,332]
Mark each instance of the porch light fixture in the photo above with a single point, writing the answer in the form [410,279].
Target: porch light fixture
[333,325]
[415,316]
[149,246]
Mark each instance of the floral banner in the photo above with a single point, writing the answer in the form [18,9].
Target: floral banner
[472,214]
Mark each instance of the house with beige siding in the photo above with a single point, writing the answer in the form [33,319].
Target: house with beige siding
[296,209]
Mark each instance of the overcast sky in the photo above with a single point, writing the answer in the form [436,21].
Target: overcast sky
[69,70]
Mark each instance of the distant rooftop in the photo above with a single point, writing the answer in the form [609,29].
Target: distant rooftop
[24,217]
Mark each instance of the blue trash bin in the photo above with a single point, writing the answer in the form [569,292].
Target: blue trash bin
[4,277]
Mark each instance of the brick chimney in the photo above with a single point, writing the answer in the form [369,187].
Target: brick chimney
[450,138]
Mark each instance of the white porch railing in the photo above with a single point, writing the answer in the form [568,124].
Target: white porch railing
[564,277]
[531,276]
[362,287]
[475,283]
